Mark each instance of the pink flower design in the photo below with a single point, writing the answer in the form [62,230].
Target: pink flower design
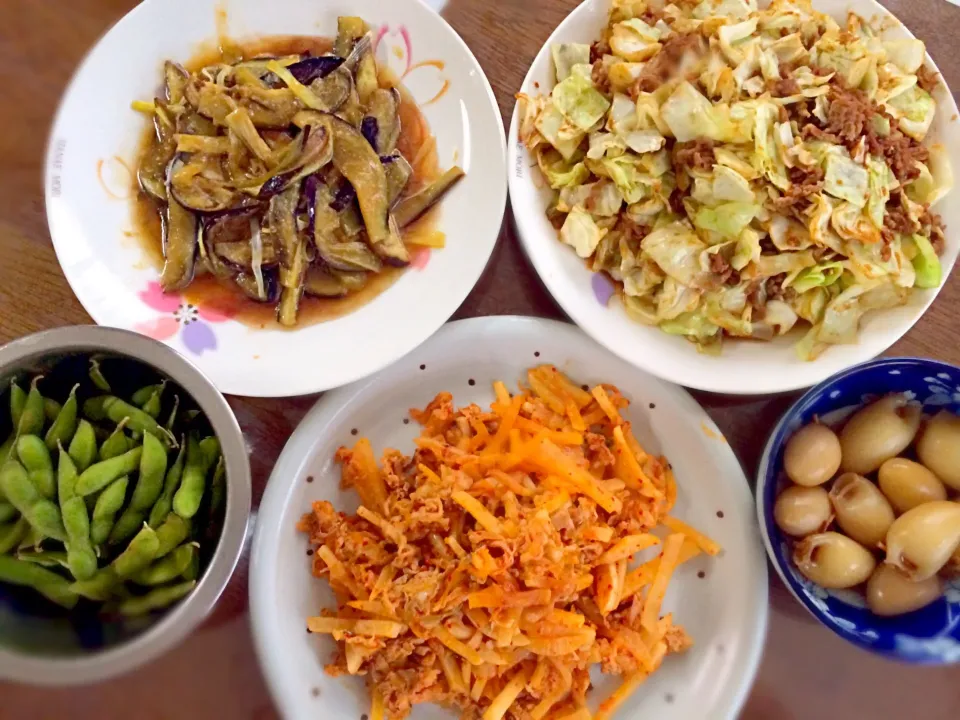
[180,316]
[394,50]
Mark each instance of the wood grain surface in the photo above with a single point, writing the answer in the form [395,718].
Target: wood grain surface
[806,671]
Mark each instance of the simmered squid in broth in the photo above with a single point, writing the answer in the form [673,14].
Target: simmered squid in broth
[281,174]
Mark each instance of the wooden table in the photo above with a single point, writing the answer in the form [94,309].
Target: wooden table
[806,672]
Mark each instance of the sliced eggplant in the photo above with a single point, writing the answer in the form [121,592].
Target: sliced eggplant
[384,109]
[195,190]
[398,172]
[229,228]
[176,80]
[248,285]
[240,254]
[210,260]
[309,69]
[193,123]
[293,263]
[359,163]
[411,208]
[311,151]
[345,197]
[355,45]
[322,282]
[334,89]
[349,30]
[349,255]
[268,109]
[180,228]
[152,173]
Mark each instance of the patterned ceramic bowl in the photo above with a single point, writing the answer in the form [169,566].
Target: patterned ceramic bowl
[929,636]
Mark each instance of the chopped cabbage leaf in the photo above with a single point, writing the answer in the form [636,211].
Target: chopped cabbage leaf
[676,249]
[559,132]
[728,219]
[846,180]
[580,232]
[566,55]
[634,40]
[926,264]
[907,53]
[690,115]
[691,324]
[822,275]
[580,102]
[916,109]
[629,175]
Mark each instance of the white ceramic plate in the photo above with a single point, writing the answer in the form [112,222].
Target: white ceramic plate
[725,612]
[88,183]
[744,367]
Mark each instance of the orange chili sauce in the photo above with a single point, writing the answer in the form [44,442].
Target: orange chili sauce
[416,143]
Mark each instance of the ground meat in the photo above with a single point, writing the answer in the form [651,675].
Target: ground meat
[720,267]
[676,201]
[757,298]
[693,155]
[896,219]
[927,79]
[598,50]
[812,132]
[774,287]
[901,153]
[665,63]
[601,80]
[804,183]
[784,87]
[782,114]
[933,224]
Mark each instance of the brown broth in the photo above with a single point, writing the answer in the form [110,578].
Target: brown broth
[416,143]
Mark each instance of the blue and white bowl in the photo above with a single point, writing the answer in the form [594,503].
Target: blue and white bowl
[928,636]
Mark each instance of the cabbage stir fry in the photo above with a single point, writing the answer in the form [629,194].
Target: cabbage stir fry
[740,172]
[281,175]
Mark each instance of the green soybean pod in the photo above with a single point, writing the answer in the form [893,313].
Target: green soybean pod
[83,446]
[47,583]
[18,400]
[168,568]
[12,534]
[157,599]
[100,587]
[66,476]
[187,499]
[43,515]
[81,560]
[137,420]
[51,408]
[164,504]
[96,376]
[30,539]
[171,533]
[172,417]
[153,466]
[141,396]
[105,511]
[7,512]
[65,425]
[6,449]
[99,475]
[95,408]
[218,488]
[141,551]
[116,444]
[35,457]
[31,417]
[193,569]
[44,558]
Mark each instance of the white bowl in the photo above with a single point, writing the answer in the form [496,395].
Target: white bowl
[95,137]
[725,611]
[744,367]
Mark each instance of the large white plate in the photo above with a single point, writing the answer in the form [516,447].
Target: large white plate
[725,612]
[94,142]
[744,367]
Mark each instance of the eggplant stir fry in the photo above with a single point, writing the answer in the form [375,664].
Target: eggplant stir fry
[281,175]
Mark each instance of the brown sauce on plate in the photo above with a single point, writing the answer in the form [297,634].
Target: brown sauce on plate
[416,143]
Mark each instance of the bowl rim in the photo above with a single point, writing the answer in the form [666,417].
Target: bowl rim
[763,478]
[647,362]
[184,617]
[472,274]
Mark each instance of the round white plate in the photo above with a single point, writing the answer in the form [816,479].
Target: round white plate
[744,367]
[725,611]
[88,184]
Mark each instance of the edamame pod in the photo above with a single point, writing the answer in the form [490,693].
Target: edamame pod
[12,534]
[98,476]
[66,477]
[31,539]
[153,466]
[7,512]
[187,499]
[65,424]
[6,449]
[18,399]
[172,418]
[137,420]
[98,588]
[42,514]
[96,376]
[81,560]
[47,583]
[141,551]
[193,569]
[35,457]
[169,568]
[158,599]
[51,408]
[44,558]
[116,444]
[83,446]
[143,394]
[31,417]
[164,504]
[95,408]
[218,488]
[171,534]
[108,505]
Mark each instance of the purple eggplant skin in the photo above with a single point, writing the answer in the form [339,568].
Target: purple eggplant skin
[180,242]
[271,286]
[345,196]
[312,68]
[233,227]
[370,129]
